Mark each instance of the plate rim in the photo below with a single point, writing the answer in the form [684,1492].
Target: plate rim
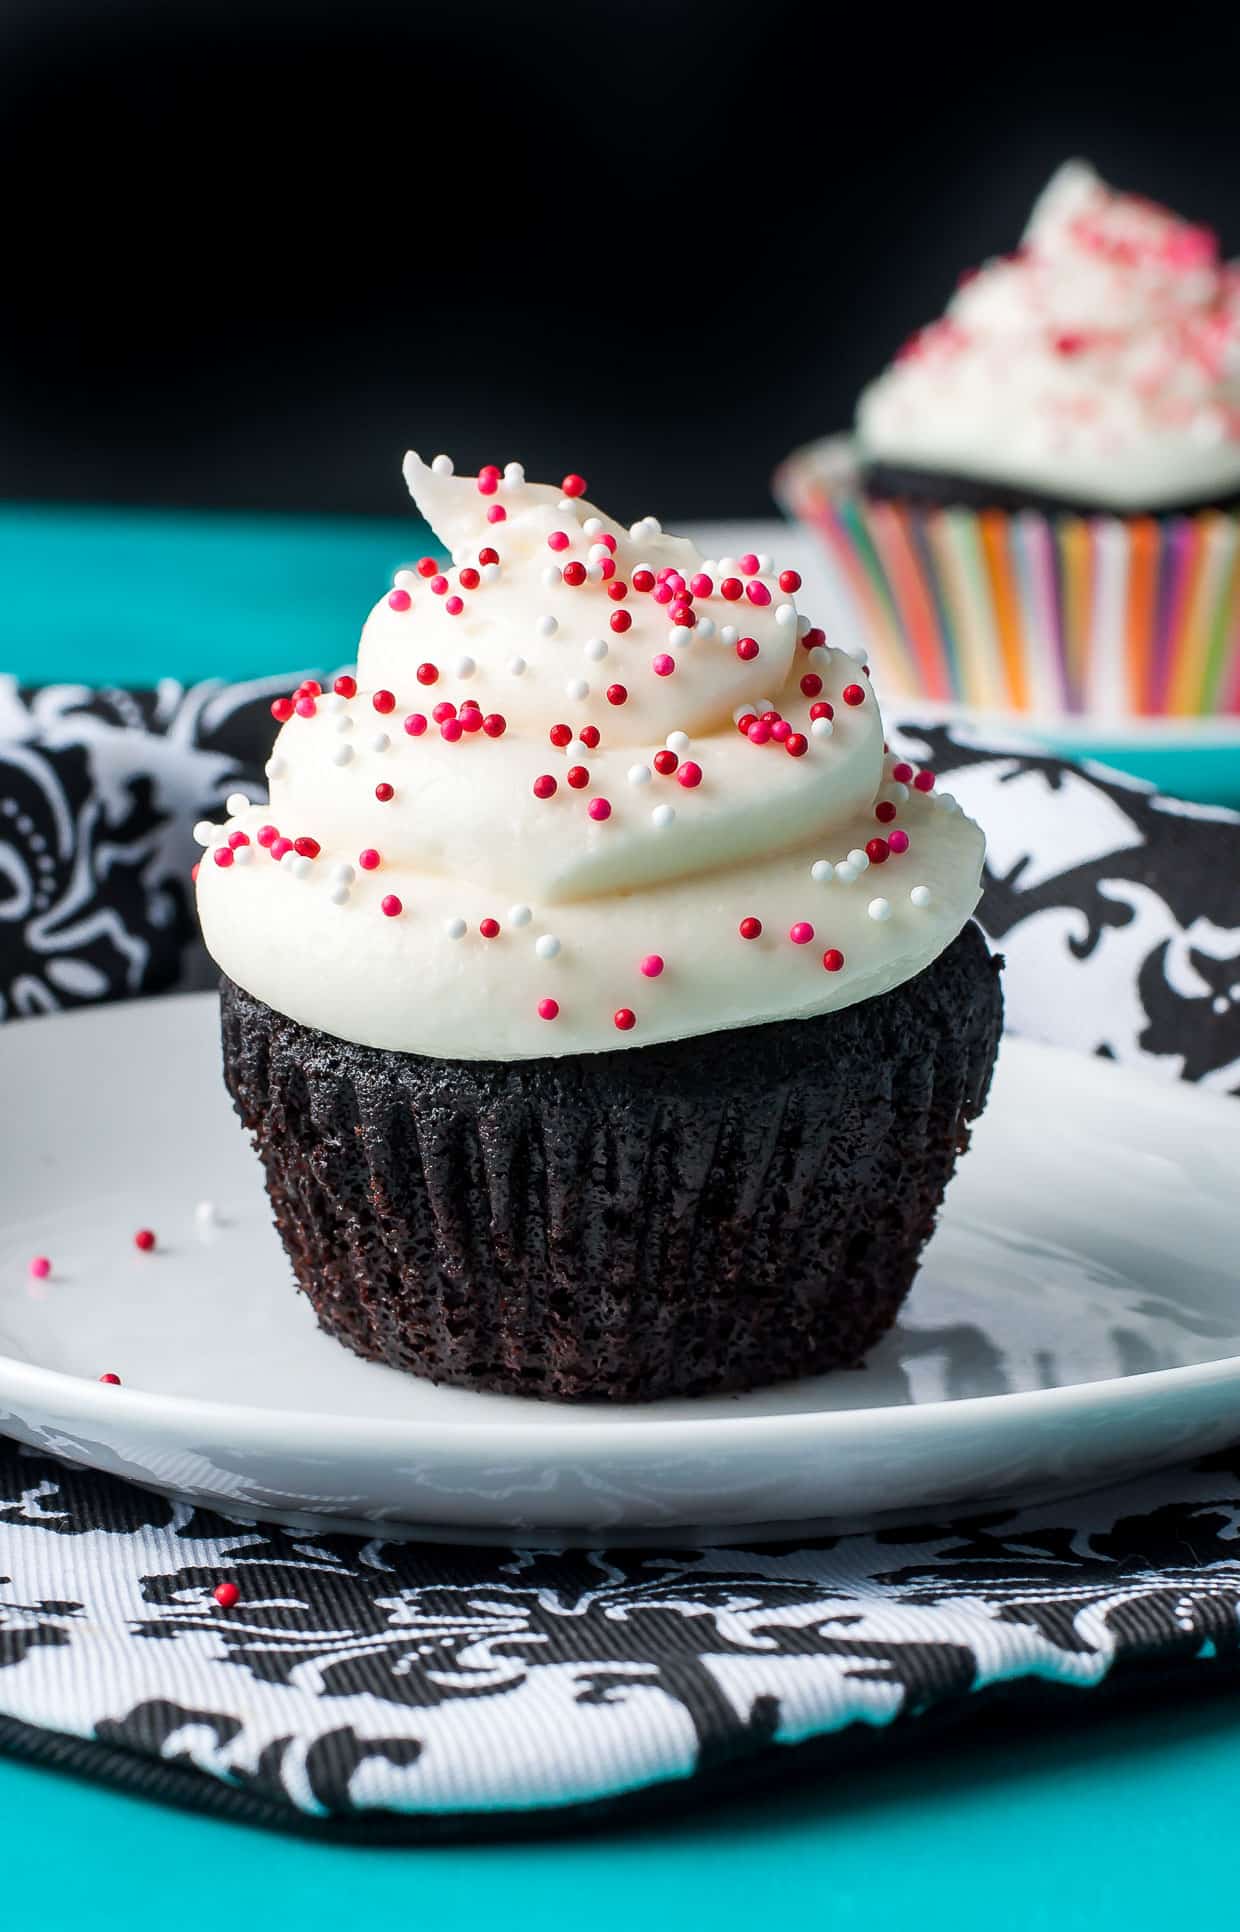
[72,1397]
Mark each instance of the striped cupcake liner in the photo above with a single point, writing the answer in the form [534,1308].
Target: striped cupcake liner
[1102,616]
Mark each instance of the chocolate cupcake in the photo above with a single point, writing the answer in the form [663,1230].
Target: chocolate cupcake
[1039,510]
[599,993]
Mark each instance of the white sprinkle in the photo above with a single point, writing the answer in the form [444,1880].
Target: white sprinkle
[858,859]
[344,724]
[547,626]
[459,557]
[845,873]
[568,508]
[763,704]
[819,658]
[706,627]
[639,774]
[489,573]
[205,832]
[896,793]
[380,741]
[677,741]
[205,1215]
[804,627]
[455,928]
[552,576]
[592,526]
[821,728]
[575,751]
[519,915]
[339,895]
[242,854]
[443,466]
[821,871]
[595,649]
[920,897]
[577,688]
[662,816]
[678,634]
[465,667]
[516,667]
[514,474]
[405,580]
[275,768]
[546,945]
[594,573]
[728,634]
[653,527]
[879,909]
[343,873]
[785,614]
[343,754]
[764,562]
[301,866]
[236,803]
[741,711]
[637,531]
[947,802]
[727,566]
[331,702]
[597,553]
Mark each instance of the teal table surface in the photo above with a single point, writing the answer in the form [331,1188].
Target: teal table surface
[1121,1820]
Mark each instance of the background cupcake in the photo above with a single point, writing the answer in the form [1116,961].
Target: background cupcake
[600,991]
[1037,512]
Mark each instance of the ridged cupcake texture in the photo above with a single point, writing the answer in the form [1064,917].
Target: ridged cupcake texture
[599,989]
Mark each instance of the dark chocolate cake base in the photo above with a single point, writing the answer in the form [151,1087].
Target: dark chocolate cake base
[706,1215]
[941,490]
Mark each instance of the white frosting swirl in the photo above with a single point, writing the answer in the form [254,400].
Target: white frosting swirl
[623,892]
[1100,363]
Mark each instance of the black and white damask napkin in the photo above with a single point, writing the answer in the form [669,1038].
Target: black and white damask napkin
[400,1690]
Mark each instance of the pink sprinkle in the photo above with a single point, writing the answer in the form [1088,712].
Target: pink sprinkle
[439,585]
[267,834]
[701,585]
[548,1009]
[488,483]
[144,1240]
[759,732]
[652,965]
[223,855]
[748,565]
[279,847]
[40,1267]
[451,729]
[599,808]
[238,838]
[454,606]
[663,665]
[664,593]
[781,730]
[557,540]
[390,906]
[924,781]
[689,774]
[369,859]
[415,724]
[898,840]
[757,593]
[399,600]
[497,513]
[305,707]
[444,709]
[801,933]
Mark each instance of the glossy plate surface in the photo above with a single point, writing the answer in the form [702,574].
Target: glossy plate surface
[1077,1318]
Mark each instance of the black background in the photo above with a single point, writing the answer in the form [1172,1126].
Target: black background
[253,250]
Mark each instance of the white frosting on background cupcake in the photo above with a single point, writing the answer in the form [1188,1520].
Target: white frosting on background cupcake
[568,858]
[1099,364]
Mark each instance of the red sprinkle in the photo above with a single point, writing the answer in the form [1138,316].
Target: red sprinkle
[383,702]
[811,684]
[902,773]
[560,734]
[368,859]
[548,1009]
[444,709]
[796,744]
[489,928]
[544,786]
[731,588]
[790,580]
[813,639]
[384,792]
[307,848]
[488,556]
[345,687]
[621,620]
[471,716]
[617,694]
[750,929]
[390,906]
[589,735]
[643,580]
[833,959]
[279,847]
[415,724]
[497,513]
[574,574]
[822,710]
[853,694]
[924,781]
[426,567]
[144,1239]
[266,834]
[701,585]
[238,838]
[885,812]
[495,724]
[428,674]
[451,730]
[617,590]
[744,721]
[746,649]
[305,707]
[468,578]
[573,485]
[877,851]
[282,709]
[665,763]
[625,1018]
[226,1595]
[578,777]
[223,855]
[689,775]
[115,1380]
[399,600]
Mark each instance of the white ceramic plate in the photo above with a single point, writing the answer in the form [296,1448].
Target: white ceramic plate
[1077,1318]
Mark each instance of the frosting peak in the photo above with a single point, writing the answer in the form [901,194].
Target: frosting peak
[1099,363]
[587,789]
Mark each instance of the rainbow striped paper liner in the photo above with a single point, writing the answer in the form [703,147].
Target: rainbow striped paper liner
[1101,616]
